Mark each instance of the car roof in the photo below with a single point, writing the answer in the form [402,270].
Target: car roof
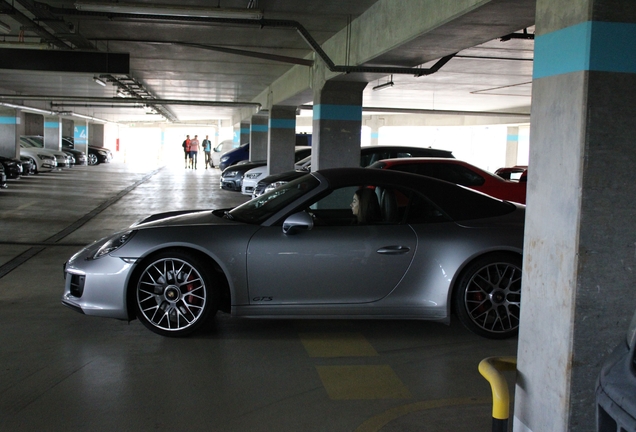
[458,202]
[432,160]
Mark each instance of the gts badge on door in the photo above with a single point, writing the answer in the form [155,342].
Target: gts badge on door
[262,299]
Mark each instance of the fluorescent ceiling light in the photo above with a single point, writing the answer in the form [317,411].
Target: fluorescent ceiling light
[169,10]
[383,86]
[100,82]
[5,28]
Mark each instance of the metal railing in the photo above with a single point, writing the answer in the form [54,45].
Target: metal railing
[491,368]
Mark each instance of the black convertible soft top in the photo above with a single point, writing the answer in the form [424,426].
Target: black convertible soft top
[458,202]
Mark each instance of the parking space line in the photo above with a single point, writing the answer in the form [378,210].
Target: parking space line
[337,345]
[362,382]
[6,213]
[376,423]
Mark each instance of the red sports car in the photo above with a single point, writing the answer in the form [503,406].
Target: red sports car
[461,173]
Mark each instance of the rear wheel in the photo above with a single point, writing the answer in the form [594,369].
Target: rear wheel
[488,294]
[175,294]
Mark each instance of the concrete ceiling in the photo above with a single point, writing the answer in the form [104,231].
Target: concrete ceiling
[198,60]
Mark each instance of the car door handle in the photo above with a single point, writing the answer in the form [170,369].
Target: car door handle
[393,250]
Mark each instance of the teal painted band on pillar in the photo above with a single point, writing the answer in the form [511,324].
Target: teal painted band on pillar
[375,135]
[512,138]
[592,45]
[7,120]
[282,123]
[338,112]
[51,125]
[259,128]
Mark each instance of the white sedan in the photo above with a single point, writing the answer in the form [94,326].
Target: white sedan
[251,178]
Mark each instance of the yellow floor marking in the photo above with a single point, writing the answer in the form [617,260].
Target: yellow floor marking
[374,424]
[337,345]
[362,382]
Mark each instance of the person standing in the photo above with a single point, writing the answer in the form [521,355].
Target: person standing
[194,150]
[186,150]
[207,148]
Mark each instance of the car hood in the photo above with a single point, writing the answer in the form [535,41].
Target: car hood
[184,217]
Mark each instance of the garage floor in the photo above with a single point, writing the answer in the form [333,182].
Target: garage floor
[62,371]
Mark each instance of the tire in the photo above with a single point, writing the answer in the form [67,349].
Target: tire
[487,296]
[92,159]
[174,293]
[35,171]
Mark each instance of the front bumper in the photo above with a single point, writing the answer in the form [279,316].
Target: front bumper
[232,184]
[97,287]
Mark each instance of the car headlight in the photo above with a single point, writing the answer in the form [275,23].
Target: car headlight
[224,158]
[113,243]
[231,174]
[274,185]
[102,152]
[253,176]
[45,157]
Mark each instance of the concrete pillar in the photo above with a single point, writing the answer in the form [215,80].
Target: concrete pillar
[33,124]
[282,139]
[337,124]
[8,133]
[244,132]
[68,127]
[374,122]
[80,136]
[96,134]
[258,136]
[579,257]
[53,132]
[512,146]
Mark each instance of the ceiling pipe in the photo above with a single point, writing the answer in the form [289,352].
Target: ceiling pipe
[379,110]
[7,8]
[130,101]
[261,23]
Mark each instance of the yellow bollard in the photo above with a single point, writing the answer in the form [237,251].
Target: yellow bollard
[491,368]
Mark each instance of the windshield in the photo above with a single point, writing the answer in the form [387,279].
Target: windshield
[262,208]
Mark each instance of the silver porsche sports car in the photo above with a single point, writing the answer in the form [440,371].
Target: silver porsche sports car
[339,243]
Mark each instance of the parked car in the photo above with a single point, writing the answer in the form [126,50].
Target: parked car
[251,177]
[43,160]
[234,156]
[12,167]
[461,173]
[220,150]
[28,166]
[306,250]
[232,176]
[616,387]
[63,160]
[3,178]
[96,154]
[368,155]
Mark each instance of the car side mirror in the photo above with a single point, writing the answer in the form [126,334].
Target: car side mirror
[301,221]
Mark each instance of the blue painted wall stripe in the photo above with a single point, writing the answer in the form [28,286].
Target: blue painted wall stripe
[52,125]
[282,123]
[244,131]
[512,138]
[338,112]
[259,128]
[7,120]
[592,45]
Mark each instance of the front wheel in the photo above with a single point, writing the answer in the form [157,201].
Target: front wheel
[92,159]
[488,294]
[174,294]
